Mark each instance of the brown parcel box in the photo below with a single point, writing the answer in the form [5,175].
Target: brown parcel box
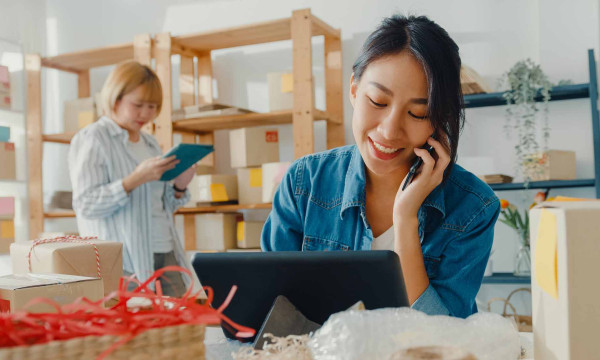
[7,235]
[551,165]
[565,250]
[249,185]
[253,146]
[215,232]
[249,233]
[79,113]
[17,290]
[72,259]
[8,170]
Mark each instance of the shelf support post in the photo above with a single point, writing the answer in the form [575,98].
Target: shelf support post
[333,91]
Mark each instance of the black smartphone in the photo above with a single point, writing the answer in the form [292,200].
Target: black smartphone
[415,166]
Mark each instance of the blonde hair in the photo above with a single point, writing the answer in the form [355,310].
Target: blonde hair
[125,78]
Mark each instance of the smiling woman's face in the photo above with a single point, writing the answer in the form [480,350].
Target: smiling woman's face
[390,108]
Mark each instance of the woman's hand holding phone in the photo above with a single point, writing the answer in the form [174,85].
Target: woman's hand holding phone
[429,175]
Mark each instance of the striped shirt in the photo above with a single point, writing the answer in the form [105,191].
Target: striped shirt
[99,159]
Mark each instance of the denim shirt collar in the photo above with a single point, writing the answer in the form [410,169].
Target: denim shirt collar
[354,189]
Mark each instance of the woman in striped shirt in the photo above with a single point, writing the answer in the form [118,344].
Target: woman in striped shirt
[115,170]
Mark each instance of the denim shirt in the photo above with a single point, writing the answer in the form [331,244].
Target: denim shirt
[320,205]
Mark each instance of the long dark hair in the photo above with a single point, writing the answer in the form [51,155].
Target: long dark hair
[438,53]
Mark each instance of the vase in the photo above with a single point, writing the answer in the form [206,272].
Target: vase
[523,261]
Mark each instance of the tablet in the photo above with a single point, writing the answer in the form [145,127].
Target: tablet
[188,155]
[318,283]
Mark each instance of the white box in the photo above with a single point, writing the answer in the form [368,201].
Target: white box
[217,188]
[281,91]
[271,178]
[250,185]
[253,146]
[216,232]
[565,246]
[249,233]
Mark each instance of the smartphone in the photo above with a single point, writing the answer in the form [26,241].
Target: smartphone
[416,165]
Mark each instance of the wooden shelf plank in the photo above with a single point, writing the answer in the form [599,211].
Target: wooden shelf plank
[552,184]
[567,92]
[239,121]
[221,208]
[87,59]
[182,211]
[258,33]
[64,138]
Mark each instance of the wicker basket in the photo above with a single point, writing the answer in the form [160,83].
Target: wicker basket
[524,322]
[172,342]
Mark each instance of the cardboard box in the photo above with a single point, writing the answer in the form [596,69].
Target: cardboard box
[217,188]
[253,146]
[249,233]
[79,113]
[250,185]
[8,170]
[4,79]
[281,91]
[565,244]
[17,290]
[216,232]
[61,200]
[4,134]
[271,178]
[5,100]
[7,208]
[71,259]
[7,235]
[551,165]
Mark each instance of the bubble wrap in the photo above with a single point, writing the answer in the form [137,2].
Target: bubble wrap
[377,334]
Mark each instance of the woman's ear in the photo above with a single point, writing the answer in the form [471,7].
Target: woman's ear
[353,89]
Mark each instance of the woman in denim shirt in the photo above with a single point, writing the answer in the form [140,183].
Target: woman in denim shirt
[405,91]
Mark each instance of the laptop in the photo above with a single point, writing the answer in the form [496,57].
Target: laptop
[317,283]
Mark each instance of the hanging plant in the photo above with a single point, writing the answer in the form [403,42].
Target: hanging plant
[525,81]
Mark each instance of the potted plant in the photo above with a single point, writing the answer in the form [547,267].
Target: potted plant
[511,216]
[525,81]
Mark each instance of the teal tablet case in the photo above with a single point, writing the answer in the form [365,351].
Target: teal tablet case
[188,155]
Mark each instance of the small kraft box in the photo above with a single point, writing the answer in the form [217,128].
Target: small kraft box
[281,91]
[71,258]
[217,188]
[79,113]
[216,232]
[250,185]
[4,79]
[272,174]
[7,225]
[249,233]
[565,245]
[8,170]
[17,290]
[550,165]
[254,146]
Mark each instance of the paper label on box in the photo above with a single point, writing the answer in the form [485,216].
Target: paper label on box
[9,146]
[256,177]
[272,136]
[545,254]
[218,192]
[4,305]
[85,118]
[240,231]
[287,83]
[7,206]
[6,100]
[7,229]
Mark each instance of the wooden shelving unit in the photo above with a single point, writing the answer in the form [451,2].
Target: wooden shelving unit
[195,50]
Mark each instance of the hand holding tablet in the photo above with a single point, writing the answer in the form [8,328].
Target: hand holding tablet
[188,155]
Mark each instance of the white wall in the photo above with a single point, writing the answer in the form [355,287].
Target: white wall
[492,36]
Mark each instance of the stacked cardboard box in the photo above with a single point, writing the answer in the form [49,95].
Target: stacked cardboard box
[272,174]
[281,91]
[248,234]
[216,232]
[79,113]
[7,223]
[8,170]
[215,188]
[250,149]
[5,98]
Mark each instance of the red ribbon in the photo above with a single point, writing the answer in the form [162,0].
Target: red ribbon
[85,317]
